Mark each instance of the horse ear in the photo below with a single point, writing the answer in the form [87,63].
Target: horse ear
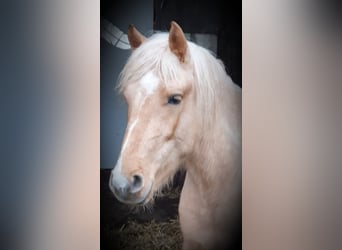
[135,38]
[177,41]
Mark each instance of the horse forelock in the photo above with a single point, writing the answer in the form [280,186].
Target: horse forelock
[154,55]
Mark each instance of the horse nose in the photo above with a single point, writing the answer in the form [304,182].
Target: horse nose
[119,185]
[123,187]
[136,184]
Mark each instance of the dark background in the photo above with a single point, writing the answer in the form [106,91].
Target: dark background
[221,18]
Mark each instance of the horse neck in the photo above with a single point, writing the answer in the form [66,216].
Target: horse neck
[218,149]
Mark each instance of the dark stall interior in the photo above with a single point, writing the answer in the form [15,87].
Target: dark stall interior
[220,18]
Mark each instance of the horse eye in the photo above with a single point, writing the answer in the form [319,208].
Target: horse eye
[174,99]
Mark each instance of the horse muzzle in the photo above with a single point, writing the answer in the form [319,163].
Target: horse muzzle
[132,191]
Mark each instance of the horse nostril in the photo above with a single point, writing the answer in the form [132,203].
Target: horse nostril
[137,183]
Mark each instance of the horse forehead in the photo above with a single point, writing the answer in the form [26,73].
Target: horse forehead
[149,83]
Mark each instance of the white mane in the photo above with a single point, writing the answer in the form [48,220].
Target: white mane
[154,55]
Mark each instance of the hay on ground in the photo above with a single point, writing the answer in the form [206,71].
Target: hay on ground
[152,235]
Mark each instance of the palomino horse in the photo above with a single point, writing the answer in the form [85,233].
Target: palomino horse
[183,110]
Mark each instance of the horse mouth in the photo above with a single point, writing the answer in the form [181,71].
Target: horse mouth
[137,199]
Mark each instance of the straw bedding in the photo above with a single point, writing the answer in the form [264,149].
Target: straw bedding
[151,235]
